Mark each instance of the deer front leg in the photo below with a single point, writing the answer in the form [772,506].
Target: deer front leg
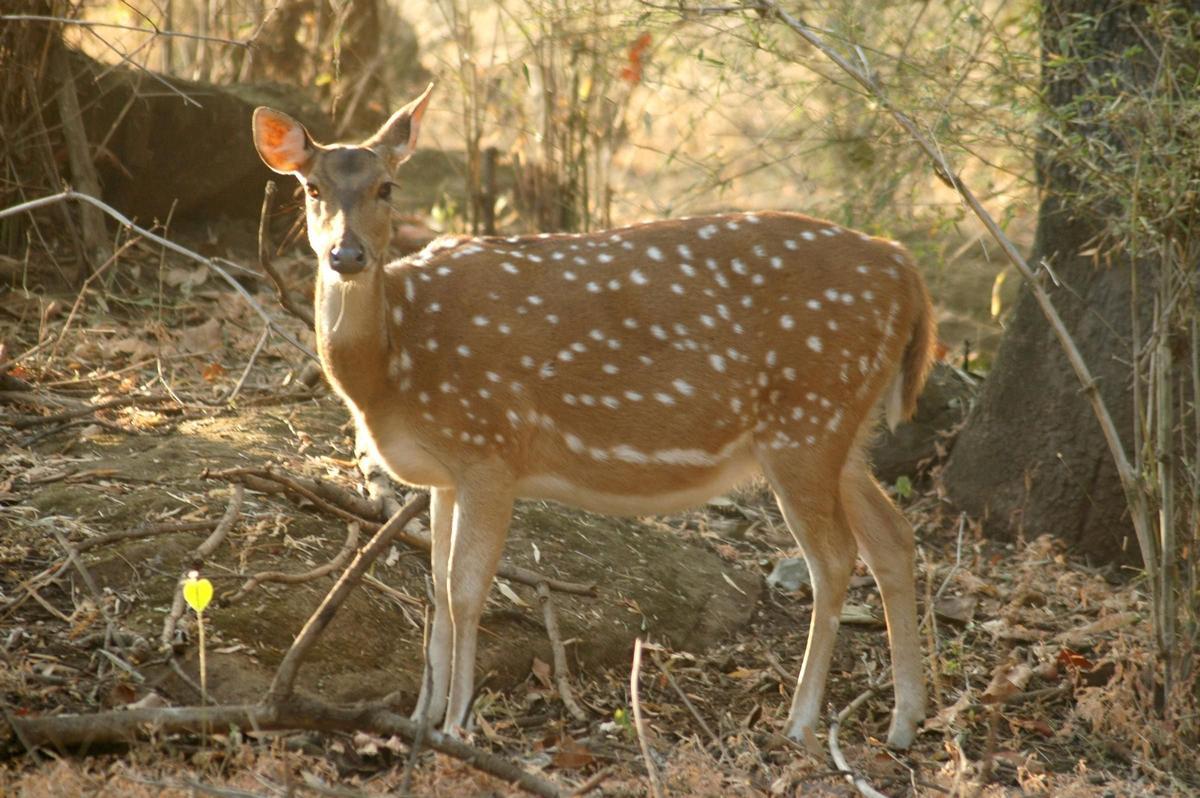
[435,681]
[481,517]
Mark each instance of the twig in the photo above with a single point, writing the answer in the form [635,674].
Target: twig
[87,23]
[638,724]
[5,365]
[360,511]
[326,496]
[962,522]
[561,673]
[687,702]
[285,677]
[988,760]
[237,388]
[24,422]
[338,561]
[835,750]
[211,263]
[267,263]
[71,731]
[593,782]
[145,532]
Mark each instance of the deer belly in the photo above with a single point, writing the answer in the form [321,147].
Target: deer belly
[622,489]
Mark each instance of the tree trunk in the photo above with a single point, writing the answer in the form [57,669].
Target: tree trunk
[1031,458]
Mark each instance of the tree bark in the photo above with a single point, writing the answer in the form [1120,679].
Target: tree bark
[1031,458]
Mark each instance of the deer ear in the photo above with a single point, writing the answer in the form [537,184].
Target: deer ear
[397,139]
[282,142]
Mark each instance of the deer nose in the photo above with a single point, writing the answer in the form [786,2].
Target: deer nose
[347,257]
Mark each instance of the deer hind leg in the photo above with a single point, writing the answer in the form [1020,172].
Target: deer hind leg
[886,540]
[814,519]
[435,682]
[482,512]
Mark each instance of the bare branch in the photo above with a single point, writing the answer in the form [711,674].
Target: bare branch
[71,194]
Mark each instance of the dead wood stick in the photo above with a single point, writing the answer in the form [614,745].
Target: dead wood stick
[318,491]
[687,702]
[24,422]
[593,782]
[561,674]
[835,750]
[127,223]
[362,514]
[144,532]
[267,262]
[196,558]
[285,676]
[639,724]
[73,731]
[338,561]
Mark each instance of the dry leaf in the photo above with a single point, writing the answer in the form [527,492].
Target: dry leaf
[212,372]
[541,672]
[1083,634]
[958,609]
[572,756]
[947,716]
[204,337]
[1006,682]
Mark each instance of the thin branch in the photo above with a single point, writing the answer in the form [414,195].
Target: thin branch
[330,503]
[835,750]
[285,677]
[561,673]
[88,23]
[639,724]
[70,194]
[24,422]
[687,702]
[72,731]
[339,560]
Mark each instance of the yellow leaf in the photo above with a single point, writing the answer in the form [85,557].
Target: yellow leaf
[197,592]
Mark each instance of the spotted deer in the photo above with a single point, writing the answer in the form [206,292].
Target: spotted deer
[635,371]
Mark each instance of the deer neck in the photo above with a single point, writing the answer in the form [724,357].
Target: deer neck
[352,334]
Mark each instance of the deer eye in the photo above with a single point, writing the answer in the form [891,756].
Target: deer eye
[312,190]
[385,191]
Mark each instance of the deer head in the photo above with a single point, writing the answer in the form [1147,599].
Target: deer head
[348,188]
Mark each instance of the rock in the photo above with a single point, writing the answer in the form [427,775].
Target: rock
[948,397]
[789,574]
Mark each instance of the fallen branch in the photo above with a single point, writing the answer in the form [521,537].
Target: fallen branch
[639,724]
[835,750]
[144,532]
[285,677]
[75,731]
[561,673]
[338,561]
[24,422]
[327,496]
[211,263]
[687,702]
[348,507]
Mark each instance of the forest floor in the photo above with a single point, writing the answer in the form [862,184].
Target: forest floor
[116,441]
